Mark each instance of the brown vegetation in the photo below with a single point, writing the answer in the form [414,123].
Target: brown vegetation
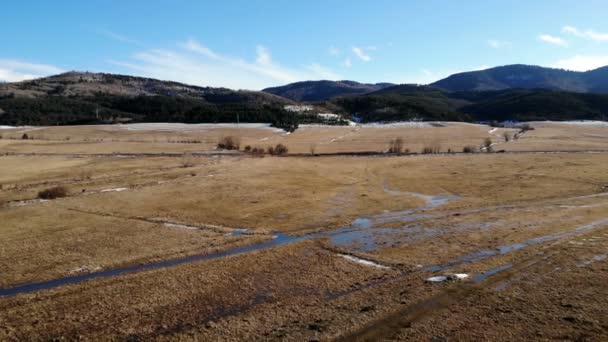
[395,146]
[229,143]
[52,193]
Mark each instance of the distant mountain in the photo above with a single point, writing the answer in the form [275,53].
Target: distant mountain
[312,91]
[521,76]
[411,102]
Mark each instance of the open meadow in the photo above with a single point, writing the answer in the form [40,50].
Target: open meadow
[151,231]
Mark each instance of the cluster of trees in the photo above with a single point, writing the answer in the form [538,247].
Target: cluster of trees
[57,110]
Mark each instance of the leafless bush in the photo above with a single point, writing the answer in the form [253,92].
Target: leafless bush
[258,151]
[229,143]
[52,193]
[247,148]
[432,148]
[469,149]
[280,150]
[270,150]
[24,136]
[506,136]
[395,146]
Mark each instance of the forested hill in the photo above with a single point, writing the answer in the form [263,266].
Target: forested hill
[87,98]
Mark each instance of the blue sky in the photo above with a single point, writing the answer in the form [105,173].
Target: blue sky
[256,44]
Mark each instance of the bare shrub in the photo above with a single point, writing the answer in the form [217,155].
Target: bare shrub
[258,151]
[52,193]
[270,150]
[280,150]
[469,149]
[432,148]
[229,143]
[506,136]
[247,148]
[24,136]
[396,146]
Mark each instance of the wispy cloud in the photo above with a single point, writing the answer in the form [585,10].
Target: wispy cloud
[361,53]
[193,62]
[552,40]
[347,62]
[333,51]
[582,62]
[498,44]
[587,34]
[12,70]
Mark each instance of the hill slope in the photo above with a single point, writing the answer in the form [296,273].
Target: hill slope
[312,91]
[526,77]
[86,98]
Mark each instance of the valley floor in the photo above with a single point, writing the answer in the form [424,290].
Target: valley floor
[218,245]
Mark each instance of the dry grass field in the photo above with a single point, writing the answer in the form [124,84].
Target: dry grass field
[221,245]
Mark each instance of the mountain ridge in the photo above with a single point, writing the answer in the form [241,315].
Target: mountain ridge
[522,76]
[313,91]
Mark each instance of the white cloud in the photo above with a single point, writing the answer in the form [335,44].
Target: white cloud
[360,52]
[194,63]
[552,40]
[12,70]
[582,63]
[195,46]
[587,34]
[498,44]
[334,51]
[571,30]
[347,62]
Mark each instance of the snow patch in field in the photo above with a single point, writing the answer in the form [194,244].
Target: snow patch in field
[442,278]
[596,258]
[363,261]
[588,123]
[183,127]
[115,190]
[180,226]
[401,124]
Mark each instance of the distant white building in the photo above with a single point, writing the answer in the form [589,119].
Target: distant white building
[299,108]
